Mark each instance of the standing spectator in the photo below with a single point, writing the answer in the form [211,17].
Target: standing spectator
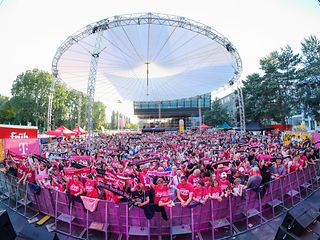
[200,194]
[161,193]
[237,188]
[194,177]
[184,191]
[278,169]
[75,186]
[90,187]
[254,180]
[215,191]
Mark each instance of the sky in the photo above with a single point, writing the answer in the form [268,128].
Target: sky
[32,30]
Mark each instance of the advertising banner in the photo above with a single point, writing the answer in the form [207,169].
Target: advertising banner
[289,135]
[22,146]
[18,132]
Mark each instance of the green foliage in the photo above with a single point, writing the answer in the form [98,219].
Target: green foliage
[308,86]
[99,116]
[30,93]
[29,103]
[217,115]
[7,113]
[290,83]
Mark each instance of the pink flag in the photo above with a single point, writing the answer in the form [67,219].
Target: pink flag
[316,139]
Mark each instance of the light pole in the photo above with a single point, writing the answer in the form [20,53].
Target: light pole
[160,113]
[118,124]
[199,108]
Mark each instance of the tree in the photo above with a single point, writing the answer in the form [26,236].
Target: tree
[99,115]
[256,96]
[281,74]
[114,120]
[30,96]
[59,106]
[7,113]
[308,86]
[217,115]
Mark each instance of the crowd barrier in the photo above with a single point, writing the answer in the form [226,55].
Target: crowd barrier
[231,216]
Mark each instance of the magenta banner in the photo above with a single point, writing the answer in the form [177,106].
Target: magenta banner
[22,146]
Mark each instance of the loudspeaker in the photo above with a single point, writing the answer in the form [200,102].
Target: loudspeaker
[55,237]
[298,219]
[283,234]
[7,231]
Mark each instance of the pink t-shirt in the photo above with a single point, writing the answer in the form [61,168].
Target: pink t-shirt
[185,190]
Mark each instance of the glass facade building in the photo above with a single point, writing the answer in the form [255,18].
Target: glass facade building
[170,112]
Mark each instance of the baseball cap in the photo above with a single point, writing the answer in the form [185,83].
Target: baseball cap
[223,174]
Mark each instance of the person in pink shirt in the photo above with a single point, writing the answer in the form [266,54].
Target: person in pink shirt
[194,177]
[161,193]
[303,161]
[215,191]
[184,191]
[224,182]
[90,187]
[75,187]
[22,171]
[200,193]
[31,174]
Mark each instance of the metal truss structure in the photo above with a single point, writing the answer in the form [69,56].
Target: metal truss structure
[241,107]
[92,82]
[135,19]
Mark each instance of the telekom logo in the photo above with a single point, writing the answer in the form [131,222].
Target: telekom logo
[23,147]
[15,135]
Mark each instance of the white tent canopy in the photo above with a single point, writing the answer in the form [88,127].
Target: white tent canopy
[184,58]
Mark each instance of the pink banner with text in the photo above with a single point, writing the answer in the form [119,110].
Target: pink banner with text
[22,146]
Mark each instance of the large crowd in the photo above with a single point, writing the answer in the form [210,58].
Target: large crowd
[153,170]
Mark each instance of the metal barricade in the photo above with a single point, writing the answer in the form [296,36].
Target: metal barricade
[253,207]
[273,198]
[139,225]
[304,182]
[201,219]
[63,214]
[4,190]
[232,213]
[181,221]
[97,220]
[238,210]
[221,216]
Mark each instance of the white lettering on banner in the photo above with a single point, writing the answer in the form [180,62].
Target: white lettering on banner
[23,147]
[14,135]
